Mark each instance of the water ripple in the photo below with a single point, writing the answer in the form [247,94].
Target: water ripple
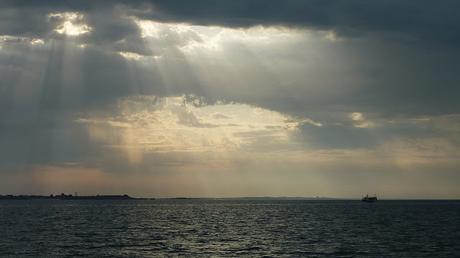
[50,228]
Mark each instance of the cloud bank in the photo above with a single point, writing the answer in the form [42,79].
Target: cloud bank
[230,98]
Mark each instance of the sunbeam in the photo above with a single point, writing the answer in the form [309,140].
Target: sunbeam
[132,90]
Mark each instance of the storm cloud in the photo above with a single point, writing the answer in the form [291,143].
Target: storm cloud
[310,90]
[422,20]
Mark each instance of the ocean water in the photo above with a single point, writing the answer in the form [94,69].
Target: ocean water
[225,228]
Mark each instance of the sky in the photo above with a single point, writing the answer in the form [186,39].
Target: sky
[230,98]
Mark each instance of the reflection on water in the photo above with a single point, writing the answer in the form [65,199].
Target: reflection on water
[229,228]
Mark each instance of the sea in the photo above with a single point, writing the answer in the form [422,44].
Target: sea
[229,228]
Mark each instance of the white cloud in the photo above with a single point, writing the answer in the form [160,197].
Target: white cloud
[190,38]
[154,124]
[360,121]
[130,55]
[70,23]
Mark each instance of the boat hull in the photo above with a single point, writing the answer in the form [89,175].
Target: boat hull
[369,199]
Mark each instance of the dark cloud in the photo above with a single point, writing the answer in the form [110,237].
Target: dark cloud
[417,80]
[425,20]
[339,137]
[396,62]
[407,20]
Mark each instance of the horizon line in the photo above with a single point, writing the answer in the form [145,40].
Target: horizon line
[242,197]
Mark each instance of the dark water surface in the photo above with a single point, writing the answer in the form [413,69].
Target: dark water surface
[134,228]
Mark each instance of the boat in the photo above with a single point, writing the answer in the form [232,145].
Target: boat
[368,198]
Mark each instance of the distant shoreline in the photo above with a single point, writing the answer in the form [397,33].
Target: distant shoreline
[69,197]
[128,197]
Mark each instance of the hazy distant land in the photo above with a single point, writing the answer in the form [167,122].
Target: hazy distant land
[68,197]
[128,197]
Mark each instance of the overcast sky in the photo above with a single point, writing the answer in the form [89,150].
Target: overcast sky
[230,98]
